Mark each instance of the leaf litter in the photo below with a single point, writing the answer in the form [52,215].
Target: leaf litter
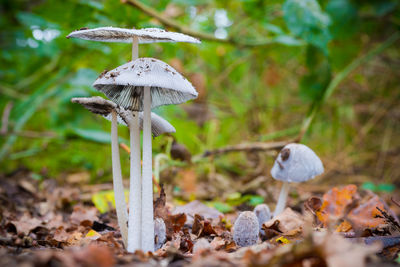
[46,224]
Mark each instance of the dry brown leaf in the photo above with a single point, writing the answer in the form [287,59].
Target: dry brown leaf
[26,223]
[196,207]
[336,203]
[341,252]
[288,221]
[95,255]
[365,215]
[81,214]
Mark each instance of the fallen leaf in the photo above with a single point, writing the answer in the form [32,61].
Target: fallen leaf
[288,221]
[336,203]
[196,207]
[365,215]
[26,223]
[81,214]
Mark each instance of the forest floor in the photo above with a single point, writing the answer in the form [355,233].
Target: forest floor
[45,224]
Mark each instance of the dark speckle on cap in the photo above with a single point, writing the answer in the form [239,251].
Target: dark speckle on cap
[285,153]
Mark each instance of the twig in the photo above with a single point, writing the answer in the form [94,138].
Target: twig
[125,148]
[5,117]
[247,147]
[186,30]
[395,202]
[340,77]
[31,134]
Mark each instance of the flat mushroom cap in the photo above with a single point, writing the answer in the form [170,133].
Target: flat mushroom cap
[125,84]
[121,35]
[103,107]
[296,163]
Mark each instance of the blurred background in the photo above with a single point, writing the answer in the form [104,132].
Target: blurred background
[325,73]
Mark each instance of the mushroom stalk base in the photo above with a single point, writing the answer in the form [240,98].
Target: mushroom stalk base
[135,194]
[280,206]
[147,182]
[119,196]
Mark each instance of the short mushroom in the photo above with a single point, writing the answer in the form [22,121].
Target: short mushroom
[110,111]
[263,215]
[246,229]
[139,85]
[160,233]
[295,163]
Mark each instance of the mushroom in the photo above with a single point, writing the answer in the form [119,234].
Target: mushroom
[116,114]
[121,35]
[246,229]
[160,233]
[138,85]
[136,36]
[105,107]
[263,215]
[295,163]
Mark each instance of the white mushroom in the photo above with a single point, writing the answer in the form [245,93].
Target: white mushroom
[149,35]
[295,163]
[141,85]
[105,107]
[263,214]
[160,233]
[110,111]
[246,229]
[121,35]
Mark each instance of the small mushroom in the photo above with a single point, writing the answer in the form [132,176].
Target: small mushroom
[295,163]
[160,233]
[263,215]
[246,229]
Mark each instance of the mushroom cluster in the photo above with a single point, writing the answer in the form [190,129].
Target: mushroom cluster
[134,89]
[295,163]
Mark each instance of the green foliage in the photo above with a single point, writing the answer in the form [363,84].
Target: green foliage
[305,19]
[260,93]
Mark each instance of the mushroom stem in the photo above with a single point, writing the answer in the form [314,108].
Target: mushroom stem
[135,48]
[147,182]
[280,206]
[119,196]
[135,194]
[135,189]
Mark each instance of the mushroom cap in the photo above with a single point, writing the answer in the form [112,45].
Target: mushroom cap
[103,107]
[125,84]
[246,229]
[263,214]
[296,163]
[121,35]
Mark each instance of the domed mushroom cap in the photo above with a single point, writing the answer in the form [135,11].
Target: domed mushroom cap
[246,229]
[103,107]
[263,214]
[296,163]
[121,35]
[125,84]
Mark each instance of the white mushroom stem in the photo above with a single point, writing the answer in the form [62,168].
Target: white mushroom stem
[280,206]
[135,189]
[147,182]
[120,204]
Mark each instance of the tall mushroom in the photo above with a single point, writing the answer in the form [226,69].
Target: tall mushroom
[136,36]
[141,85]
[116,114]
[295,163]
